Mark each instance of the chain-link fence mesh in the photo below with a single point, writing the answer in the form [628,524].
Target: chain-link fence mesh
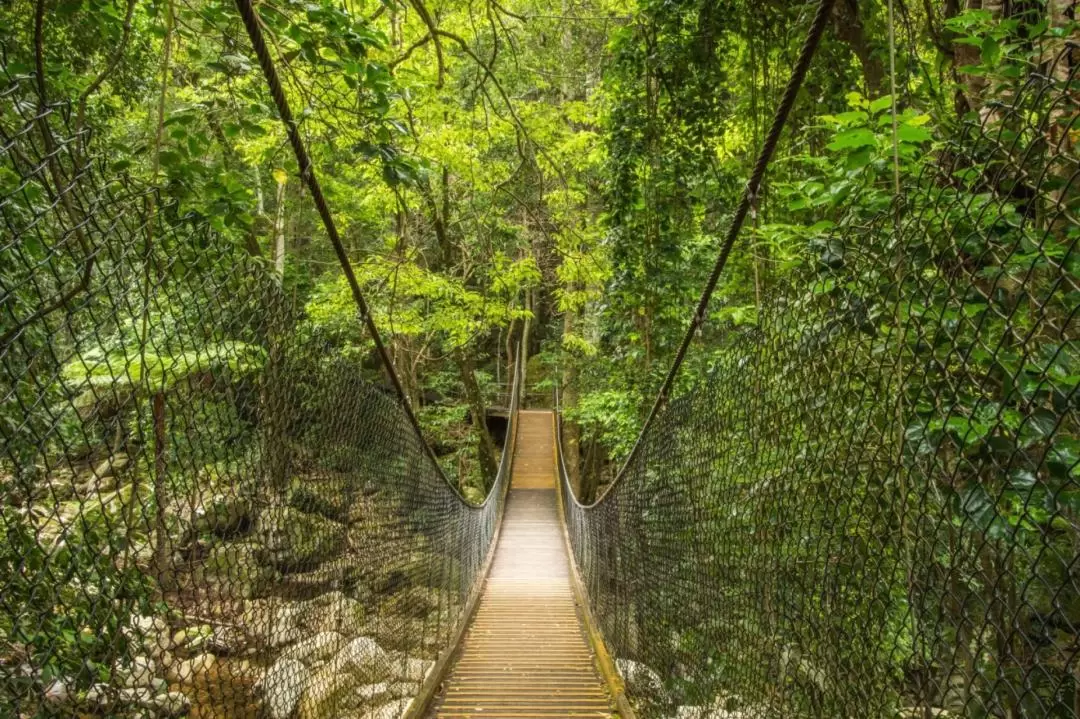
[204,511]
[870,507]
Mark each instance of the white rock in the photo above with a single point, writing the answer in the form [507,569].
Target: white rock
[187,670]
[345,613]
[284,635]
[639,678]
[152,633]
[135,696]
[227,640]
[170,704]
[282,687]
[141,673]
[110,466]
[364,658]
[58,692]
[320,693]
[284,627]
[415,670]
[168,663]
[158,644]
[193,637]
[100,695]
[317,648]
[146,626]
[691,712]
[371,693]
[159,705]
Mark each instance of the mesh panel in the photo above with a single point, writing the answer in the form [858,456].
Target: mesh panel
[205,511]
[869,506]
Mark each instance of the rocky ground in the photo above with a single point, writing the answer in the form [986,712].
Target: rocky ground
[645,684]
[325,605]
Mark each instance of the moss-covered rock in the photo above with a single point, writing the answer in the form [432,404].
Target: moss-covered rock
[326,695]
[224,516]
[295,541]
[412,602]
[238,566]
[283,623]
[473,494]
[327,498]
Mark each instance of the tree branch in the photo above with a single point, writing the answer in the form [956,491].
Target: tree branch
[505,98]
[426,17]
[109,68]
[409,51]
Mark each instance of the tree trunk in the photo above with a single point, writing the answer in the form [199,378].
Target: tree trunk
[851,30]
[161,494]
[571,430]
[273,409]
[590,478]
[973,87]
[510,358]
[486,451]
[279,230]
[403,357]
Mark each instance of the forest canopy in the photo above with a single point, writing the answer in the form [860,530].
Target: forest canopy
[522,186]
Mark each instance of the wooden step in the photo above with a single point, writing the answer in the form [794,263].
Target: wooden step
[525,653]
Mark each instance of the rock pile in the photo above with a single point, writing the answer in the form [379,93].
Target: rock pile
[326,676]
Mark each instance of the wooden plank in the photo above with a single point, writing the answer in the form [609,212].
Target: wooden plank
[525,653]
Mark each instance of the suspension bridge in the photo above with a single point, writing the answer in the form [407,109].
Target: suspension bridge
[865,506]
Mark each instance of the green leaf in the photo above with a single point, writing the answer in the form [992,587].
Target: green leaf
[976,505]
[1039,425]
[882,103]
[859,159]
[990,51]
[912,134]
[1063,459]
[853,139]
[170,158]
[852,117]
[1022,480]
[855,99]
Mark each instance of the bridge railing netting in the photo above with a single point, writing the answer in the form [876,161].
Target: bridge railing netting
[203,511]
[870,505]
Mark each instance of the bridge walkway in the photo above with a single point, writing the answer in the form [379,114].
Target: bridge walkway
[525,654]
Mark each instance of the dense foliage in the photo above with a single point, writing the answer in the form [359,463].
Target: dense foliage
[571,168]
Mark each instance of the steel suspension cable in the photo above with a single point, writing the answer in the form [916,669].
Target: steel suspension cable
[749,197]
[307,174]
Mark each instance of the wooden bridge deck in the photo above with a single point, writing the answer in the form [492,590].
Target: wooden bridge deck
[525,653]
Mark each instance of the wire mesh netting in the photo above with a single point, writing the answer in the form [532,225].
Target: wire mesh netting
[870,506]
[204,512]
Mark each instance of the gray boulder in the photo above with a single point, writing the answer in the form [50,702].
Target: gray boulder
[325,694]
[282,686]
[640,679]
[141,672]
[414,670]
[295,542]
[186,671]
[364,659]
[316,648]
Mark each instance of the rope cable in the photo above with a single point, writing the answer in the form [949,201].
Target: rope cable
[746,203]
[892,97]
[307,174]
